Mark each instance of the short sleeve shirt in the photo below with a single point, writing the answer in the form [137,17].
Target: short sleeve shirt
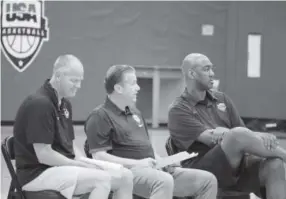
[41,120]
[120,133]
[188,118]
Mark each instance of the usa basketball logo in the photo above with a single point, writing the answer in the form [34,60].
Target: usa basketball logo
[23,31]
[137,120]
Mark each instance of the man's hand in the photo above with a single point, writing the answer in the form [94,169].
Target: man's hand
[218,134]
[171,168]
[270,141]
[147,162]
[94,166]
[88,163]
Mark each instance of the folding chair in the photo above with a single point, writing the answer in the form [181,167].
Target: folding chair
[86,149]
[170,147]
[15,190]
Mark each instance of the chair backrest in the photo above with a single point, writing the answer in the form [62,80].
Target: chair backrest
[8,143]
[15,190]
[170,147]
[86,149]
[7,148]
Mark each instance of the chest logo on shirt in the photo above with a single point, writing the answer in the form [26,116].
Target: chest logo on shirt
[137,120]
[66,113]
[221,107]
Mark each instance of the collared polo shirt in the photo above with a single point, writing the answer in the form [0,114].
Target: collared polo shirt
[188,117]
[120,133]
[40,119]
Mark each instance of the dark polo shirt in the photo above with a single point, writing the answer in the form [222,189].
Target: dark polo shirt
[40,120]
[120,133]
[189,117]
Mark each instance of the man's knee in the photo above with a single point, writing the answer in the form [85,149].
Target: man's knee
[207,179]
[208,183]
[127,176]
[237,136]
[102,180]
[235,143]
[272,167]
[165,181]
[210,179]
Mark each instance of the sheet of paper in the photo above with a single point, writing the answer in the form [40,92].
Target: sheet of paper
[175,159]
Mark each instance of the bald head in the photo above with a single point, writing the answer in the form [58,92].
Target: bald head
[198,72]
[67,75]
[67,64]
[194,60]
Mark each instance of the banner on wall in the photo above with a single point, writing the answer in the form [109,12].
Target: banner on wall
[24,29]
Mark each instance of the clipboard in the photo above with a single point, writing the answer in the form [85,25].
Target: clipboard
[176,158]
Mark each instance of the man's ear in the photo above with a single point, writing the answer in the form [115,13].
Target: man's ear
[191,74]
[58,75]
[118,88]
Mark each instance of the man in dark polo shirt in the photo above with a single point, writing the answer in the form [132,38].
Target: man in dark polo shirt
[207,122]
[116,132]
[46,158]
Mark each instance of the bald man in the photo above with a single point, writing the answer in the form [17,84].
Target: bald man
[46,158]
[206,121]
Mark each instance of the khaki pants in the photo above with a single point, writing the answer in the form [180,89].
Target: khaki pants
[157,184]
[72,180]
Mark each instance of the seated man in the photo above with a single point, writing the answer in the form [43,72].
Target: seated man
[46,158]
[116,132]
[207,122]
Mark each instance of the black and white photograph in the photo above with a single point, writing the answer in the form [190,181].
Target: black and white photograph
[143,99]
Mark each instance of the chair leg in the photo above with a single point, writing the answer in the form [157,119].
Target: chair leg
[11,192]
